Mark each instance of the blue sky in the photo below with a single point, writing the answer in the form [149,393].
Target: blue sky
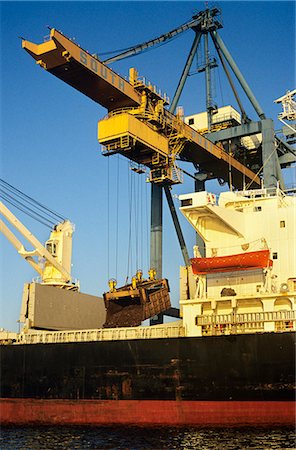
[49,147]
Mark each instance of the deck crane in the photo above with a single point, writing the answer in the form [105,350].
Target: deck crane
[140,126]
[53,301]
[52,262]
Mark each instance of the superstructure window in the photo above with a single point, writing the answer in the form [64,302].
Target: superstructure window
[282,224]
[186,202]
[257,208]
[191,122]
[51,247]
[275,255]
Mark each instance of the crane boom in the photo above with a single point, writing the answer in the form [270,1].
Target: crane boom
[158,136]
[159,40]
[57,253]
[191,24]
[19,246]
[76,67]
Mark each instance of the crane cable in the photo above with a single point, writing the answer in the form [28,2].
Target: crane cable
[29,205]
[141,222]
[108,220]
[147,225]
[26,212]
[117,219]
[29,199]
[113,218]
[14,202]
[136,196]
[130,200]
[136,228]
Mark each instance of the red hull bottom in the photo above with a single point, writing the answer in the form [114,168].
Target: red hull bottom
[146,412]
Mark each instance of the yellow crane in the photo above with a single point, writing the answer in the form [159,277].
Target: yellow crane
[54,301]
[138,125]
[51,261]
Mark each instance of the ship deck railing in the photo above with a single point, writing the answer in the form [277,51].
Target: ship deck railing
[267,192]
[216,324]
[102,334]
[236,318]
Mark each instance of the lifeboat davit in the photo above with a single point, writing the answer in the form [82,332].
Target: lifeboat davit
[242,261]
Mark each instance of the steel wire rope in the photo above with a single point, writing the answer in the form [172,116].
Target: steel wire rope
[136,187]
[141,223]
[129,256]
[131,248]
[132,206]
[134,220]
[140,234]
[147,226]
[24,211]
[117,219]
[139,265]
[59,216]
[16,194]
[108,219]
[128,241]
[3,193]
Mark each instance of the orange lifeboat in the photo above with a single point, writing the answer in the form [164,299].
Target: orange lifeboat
[242,261]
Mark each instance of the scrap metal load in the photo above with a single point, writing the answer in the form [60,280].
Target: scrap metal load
[130,305]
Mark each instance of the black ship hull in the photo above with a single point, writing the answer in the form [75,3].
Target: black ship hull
[225,370]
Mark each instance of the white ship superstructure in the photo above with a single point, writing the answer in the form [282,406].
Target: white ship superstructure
[247,280]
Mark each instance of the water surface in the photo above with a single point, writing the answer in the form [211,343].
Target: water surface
[152,438]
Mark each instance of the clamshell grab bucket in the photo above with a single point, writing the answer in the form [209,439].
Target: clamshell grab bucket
[128,306]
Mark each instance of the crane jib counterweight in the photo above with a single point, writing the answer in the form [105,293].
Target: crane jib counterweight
[151,135]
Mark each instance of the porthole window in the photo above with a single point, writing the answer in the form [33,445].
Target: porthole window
[282,224]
